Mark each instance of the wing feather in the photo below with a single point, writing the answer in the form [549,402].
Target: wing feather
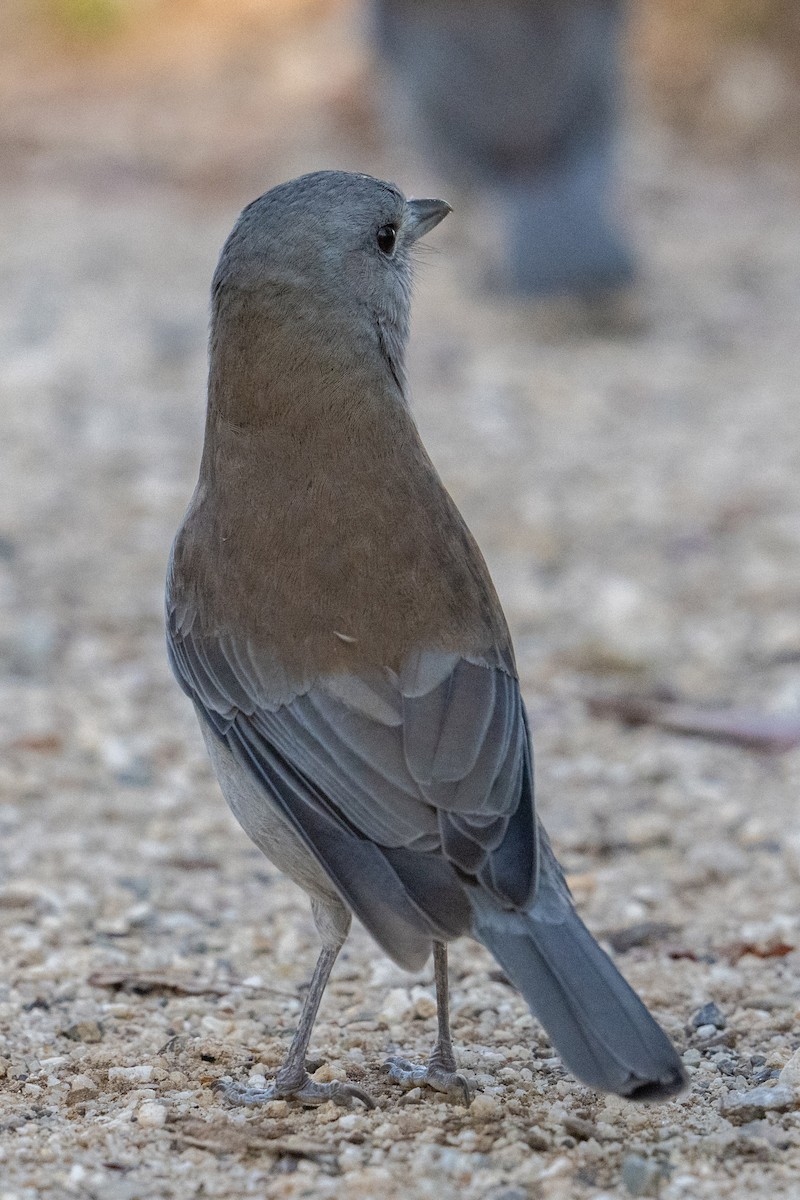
[418,780]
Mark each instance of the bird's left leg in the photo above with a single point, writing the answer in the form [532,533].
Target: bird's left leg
[293,1081]
[440,1072]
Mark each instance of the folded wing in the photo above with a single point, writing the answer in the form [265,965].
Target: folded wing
[422,778]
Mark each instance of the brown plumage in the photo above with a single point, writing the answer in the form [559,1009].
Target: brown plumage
[369,543]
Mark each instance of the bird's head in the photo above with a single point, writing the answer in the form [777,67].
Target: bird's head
[324,264]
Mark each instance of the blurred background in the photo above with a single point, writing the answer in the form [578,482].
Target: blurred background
[623,440]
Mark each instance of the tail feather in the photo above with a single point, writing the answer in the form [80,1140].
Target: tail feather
[561,235]
[597,1023]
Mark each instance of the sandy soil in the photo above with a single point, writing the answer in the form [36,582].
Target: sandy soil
[637,494]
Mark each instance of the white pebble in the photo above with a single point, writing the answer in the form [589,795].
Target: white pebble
[141,1073]
[152,1115]
[790,1075]
[350,1158]
[483,1108]
[351,1121]
[215,1027]
[423,1001]
[397,1006]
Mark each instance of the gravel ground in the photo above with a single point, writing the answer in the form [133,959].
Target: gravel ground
[637,495]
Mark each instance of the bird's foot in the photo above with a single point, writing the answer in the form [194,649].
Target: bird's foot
[434,1074]
[305,1091]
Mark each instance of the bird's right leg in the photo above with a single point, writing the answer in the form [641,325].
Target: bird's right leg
[293,1081]
[440,1072]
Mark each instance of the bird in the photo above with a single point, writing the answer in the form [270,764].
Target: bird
[332,620]
[519,99]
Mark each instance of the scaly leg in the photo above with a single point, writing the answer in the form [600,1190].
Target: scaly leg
[440,1072]
[293,1081]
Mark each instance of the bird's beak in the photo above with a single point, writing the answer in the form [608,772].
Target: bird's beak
[424,215]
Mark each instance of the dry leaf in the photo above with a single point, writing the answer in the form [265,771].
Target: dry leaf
[770,950]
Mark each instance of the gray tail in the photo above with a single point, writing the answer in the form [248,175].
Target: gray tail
[597,1023]
[561,235]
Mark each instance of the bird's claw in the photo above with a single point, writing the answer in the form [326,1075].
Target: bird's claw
[307,1092]
[455,1086]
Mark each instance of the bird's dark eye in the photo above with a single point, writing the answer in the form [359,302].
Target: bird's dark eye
[387,237]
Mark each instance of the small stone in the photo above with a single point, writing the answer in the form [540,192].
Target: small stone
[351,1122]
[750,1105]
[214,1027]
[706,1031]
[275,1108]
[790,1075]
[141,1073]
[83,1031]
[727,1066]
[112,926]
[397,1006]
[424,1003]
[580,1129]
[770,1001]
[641,1176]
[350,1159]
[56,1061]
[81,1089]
[151,1115]
[537,1139]
[709,1014]
[329,1072]
[692,1057]
[484,1108]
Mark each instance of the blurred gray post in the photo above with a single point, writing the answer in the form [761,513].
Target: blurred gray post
[520,97]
